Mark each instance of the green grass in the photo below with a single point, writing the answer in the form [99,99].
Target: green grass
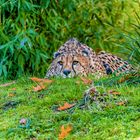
[92,122]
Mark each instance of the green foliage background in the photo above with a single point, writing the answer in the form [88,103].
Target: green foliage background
[31,30]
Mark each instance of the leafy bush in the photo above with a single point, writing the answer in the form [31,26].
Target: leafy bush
[30,31]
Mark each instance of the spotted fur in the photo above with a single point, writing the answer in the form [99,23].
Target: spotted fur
[74,58]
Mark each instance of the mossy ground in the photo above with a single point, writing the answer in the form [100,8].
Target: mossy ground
[113,123]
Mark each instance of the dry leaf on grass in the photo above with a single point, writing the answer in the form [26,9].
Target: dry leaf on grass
[11,94]
[121,103]
[42,83]
[38,88]
[64,132]
[65,106]
[35,79]
[86,81]
[114,92]
[7,84]
[13,89]
[47,81]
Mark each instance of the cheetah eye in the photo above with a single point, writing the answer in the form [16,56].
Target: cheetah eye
[60,62]
[75,62]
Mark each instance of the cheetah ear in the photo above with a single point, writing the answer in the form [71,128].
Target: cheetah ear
[85,53]
[56,54]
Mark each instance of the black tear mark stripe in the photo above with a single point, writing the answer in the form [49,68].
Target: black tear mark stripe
[79,64]
[72,64]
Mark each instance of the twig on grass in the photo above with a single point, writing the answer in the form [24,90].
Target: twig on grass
[7,84]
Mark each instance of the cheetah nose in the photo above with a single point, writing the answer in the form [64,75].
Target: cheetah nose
[66,72]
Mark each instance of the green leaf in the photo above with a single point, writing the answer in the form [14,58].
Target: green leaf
[45,3]
[21,61]
[0,69]
[4,69]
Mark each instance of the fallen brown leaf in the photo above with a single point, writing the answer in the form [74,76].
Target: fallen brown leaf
[47,81]
[13,89]
[38,88]
[7,84]
[64,132]
[86,81]
[42,83]
[114,92]
[11,94]
[121,103]
[35,79]
[65,106]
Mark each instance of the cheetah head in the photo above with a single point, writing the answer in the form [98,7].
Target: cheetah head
[69,64]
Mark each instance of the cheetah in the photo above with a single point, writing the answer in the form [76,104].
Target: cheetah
[74,58]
